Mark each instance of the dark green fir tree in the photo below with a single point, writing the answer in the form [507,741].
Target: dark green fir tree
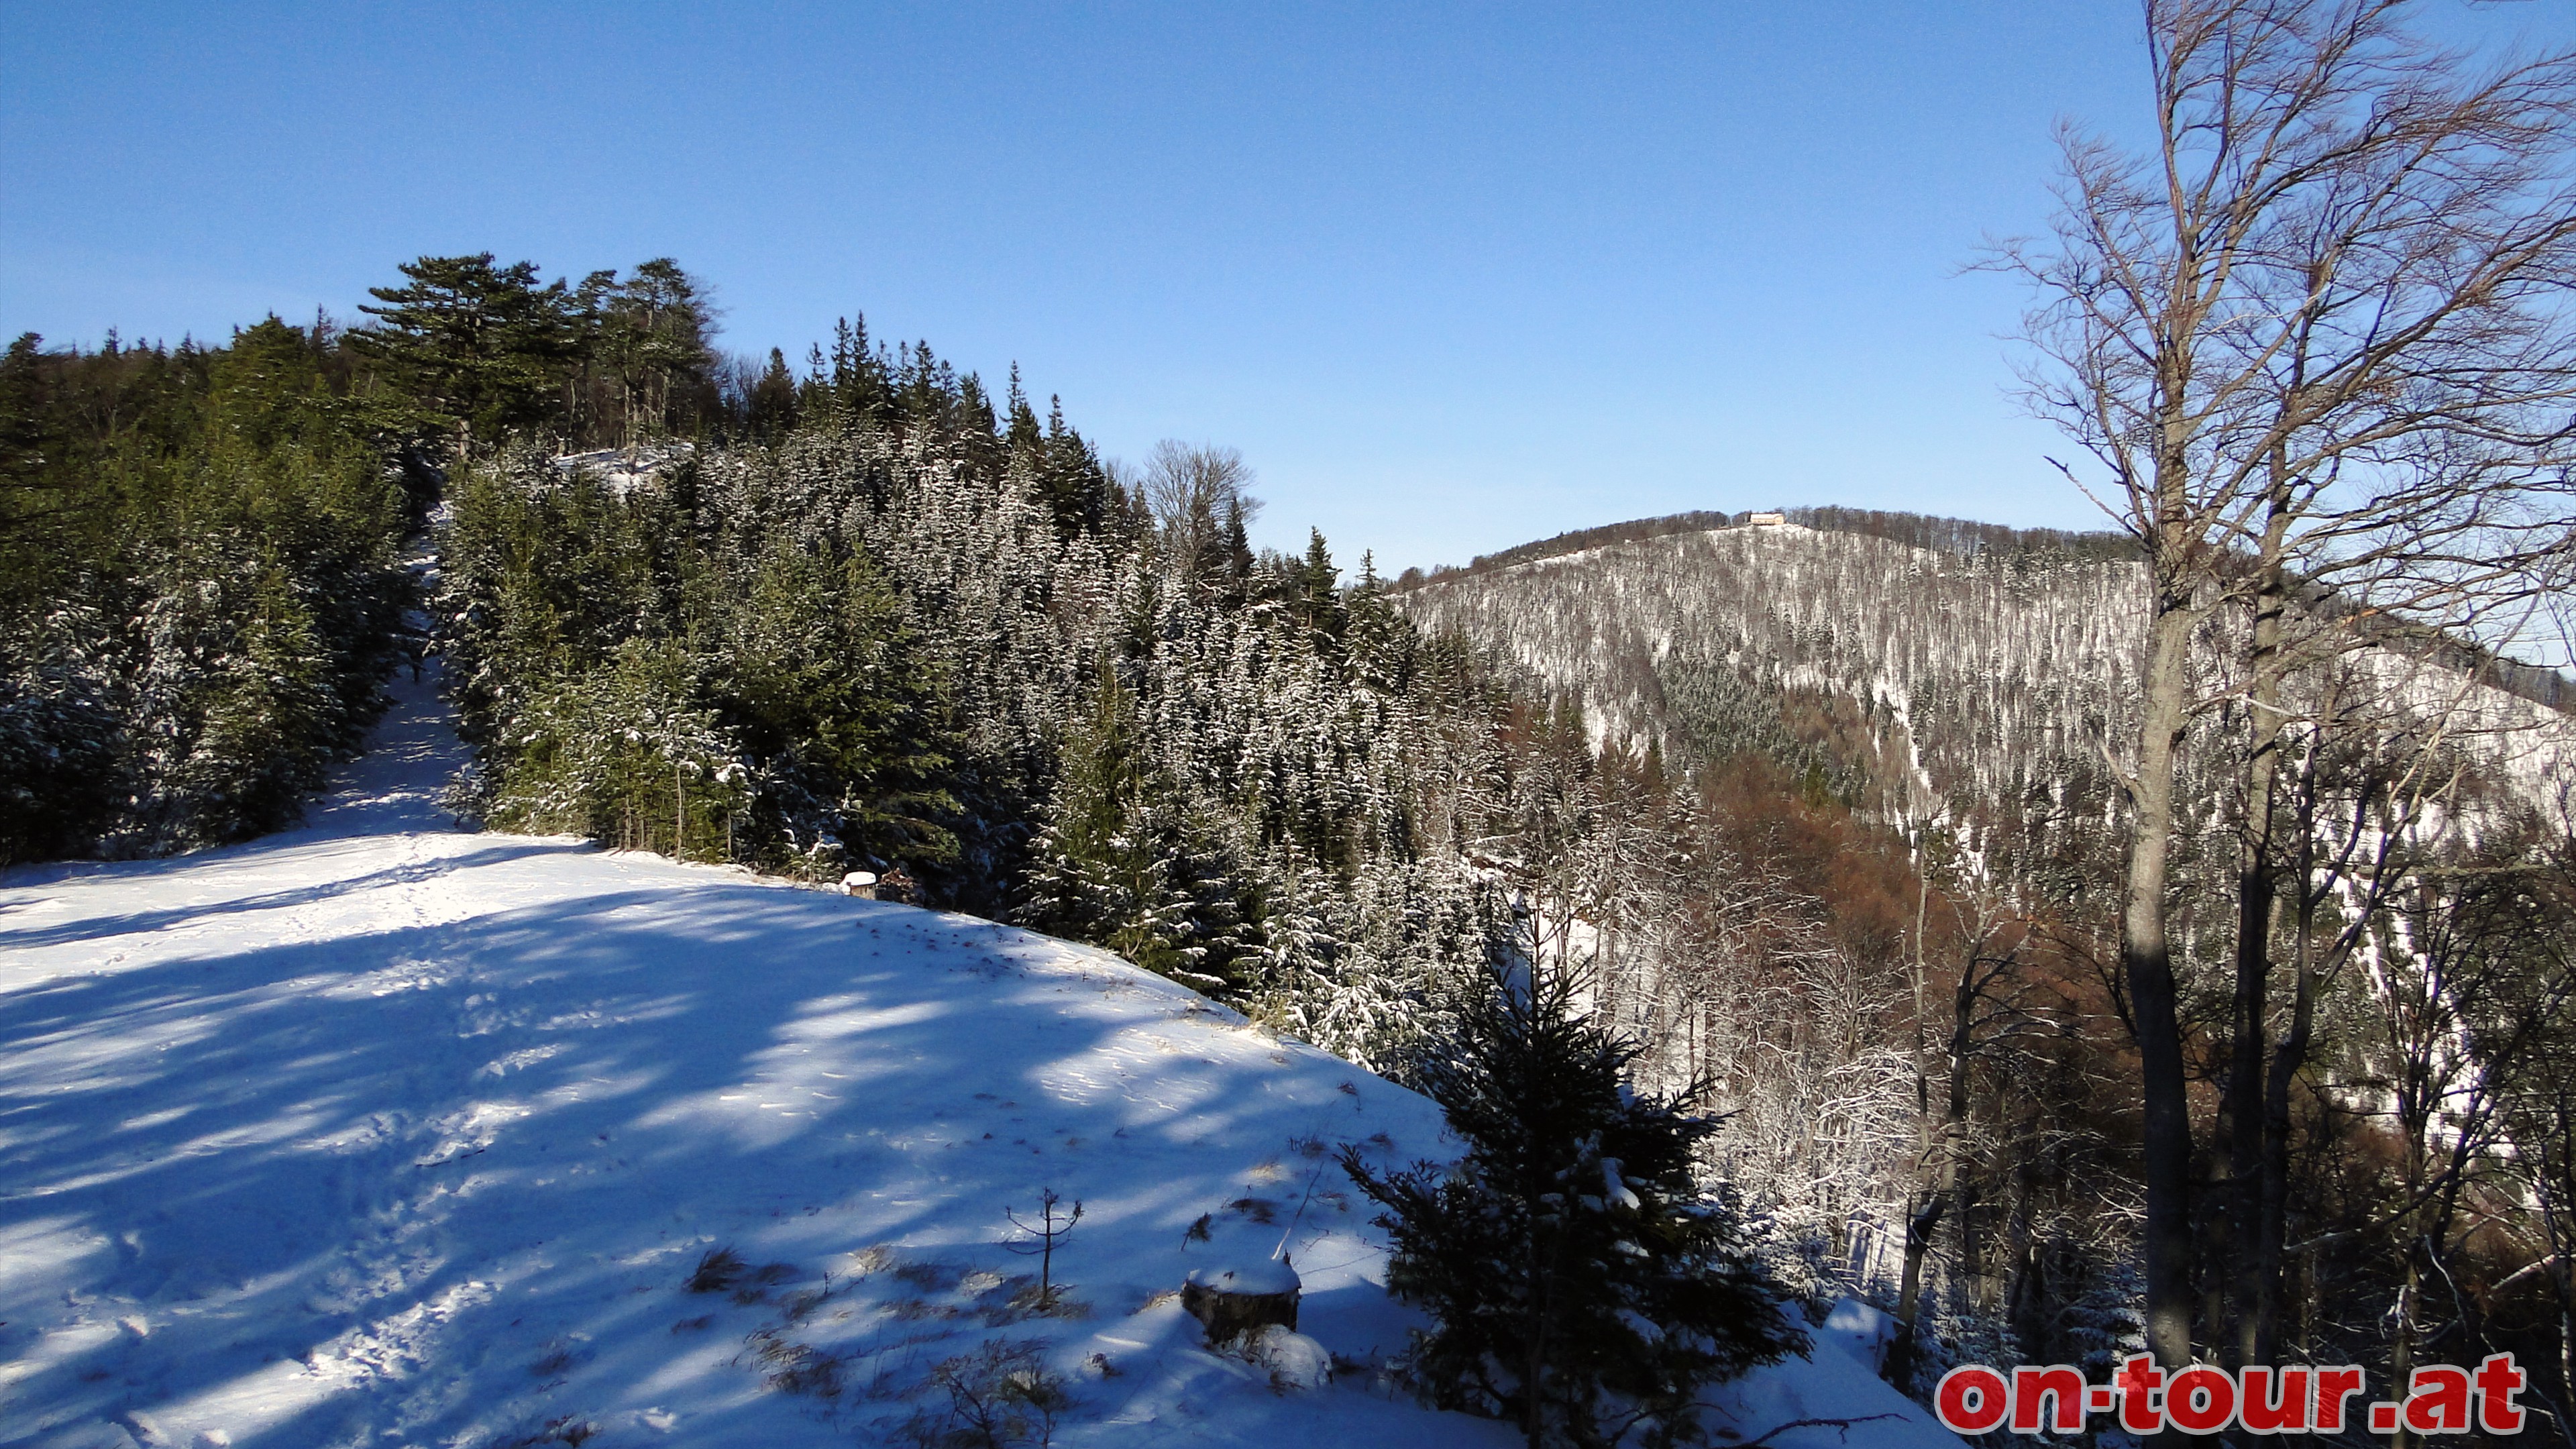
[1123,862]
[1584,1285]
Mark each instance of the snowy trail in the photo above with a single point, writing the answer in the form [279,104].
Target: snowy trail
[378,1132]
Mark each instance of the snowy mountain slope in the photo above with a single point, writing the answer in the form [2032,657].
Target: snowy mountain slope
[1941,681]
[377,1132]
[1948,682]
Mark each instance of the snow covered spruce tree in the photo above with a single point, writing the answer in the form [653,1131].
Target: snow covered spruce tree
[763,699]
[1120,863]
[1584,1283]
[198,588]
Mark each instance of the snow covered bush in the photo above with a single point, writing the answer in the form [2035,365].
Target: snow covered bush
[1000,1395]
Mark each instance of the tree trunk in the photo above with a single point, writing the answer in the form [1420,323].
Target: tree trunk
[2288,1059]
[2263,1314]
[1940,1184]
[2241,1108]
[2147,958]
[2401,1353]
[1929,1199]
[2566,1285]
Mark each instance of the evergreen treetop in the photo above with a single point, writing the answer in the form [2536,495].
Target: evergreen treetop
[474,348]
[1583,1282]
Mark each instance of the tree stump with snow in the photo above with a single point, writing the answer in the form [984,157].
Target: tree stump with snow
[1231,1302]
[861,883]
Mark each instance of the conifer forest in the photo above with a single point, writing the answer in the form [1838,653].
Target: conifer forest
[1817,811]
[1858,867]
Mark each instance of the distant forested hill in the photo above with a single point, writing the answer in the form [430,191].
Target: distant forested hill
[1922,668]
[1916,682]
[1950,535]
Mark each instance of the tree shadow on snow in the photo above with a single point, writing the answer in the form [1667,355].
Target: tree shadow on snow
[320,1187]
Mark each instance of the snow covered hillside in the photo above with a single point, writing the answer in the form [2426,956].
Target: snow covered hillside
[1940,682]
[378,1132]
[1938,679]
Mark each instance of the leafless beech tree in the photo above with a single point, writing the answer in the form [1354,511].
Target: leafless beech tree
[1193,490]
[2315,344]
[1992,1003]
[2540,1121]
[2482,987]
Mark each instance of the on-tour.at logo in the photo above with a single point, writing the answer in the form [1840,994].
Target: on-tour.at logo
[2205,1399]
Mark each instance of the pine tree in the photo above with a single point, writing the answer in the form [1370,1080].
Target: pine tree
[652,332]
[1020,424]
[264,720]
[1072,480]
[856,388]
[1582,1282]
[769,413]
[1300,968]
[1090,879]
[25,425]
[63,750]
[1238,548]
[1318,599]
[472,350]
[627,752]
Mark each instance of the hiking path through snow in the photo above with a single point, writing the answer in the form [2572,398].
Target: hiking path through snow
[377,1131]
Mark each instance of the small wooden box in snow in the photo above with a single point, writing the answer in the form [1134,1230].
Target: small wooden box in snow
[1242,1299]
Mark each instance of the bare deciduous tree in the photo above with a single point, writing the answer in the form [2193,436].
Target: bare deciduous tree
[1192,488]
[2313,339]
[1992,1001]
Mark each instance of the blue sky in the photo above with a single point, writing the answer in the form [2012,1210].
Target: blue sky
[1452,277]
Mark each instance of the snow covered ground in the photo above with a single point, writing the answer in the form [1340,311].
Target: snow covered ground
[376,1132]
